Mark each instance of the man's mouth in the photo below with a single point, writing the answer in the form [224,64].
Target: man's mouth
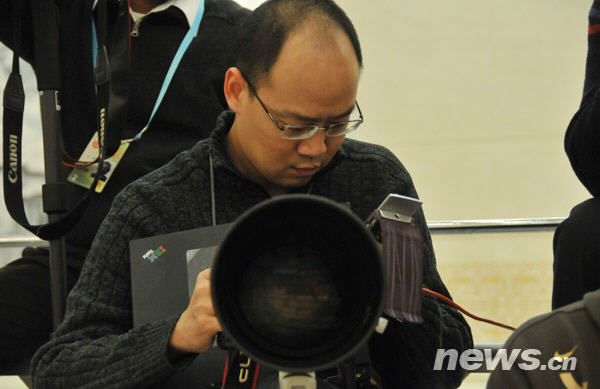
[305,171]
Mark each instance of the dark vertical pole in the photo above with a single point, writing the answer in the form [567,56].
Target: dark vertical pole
[53,196]
[47,67]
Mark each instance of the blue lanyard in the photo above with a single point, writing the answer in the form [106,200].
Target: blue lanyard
[94,49]
[174,64]
[183,46]
[94,43]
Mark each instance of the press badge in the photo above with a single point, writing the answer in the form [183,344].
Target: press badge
[85,176]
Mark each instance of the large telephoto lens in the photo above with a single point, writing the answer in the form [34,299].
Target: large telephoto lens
[298,283]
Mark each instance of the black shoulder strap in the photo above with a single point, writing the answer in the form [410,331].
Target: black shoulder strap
[14,99]
[241,372]
[357,372]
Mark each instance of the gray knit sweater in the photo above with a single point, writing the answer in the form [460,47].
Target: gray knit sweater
[96,344]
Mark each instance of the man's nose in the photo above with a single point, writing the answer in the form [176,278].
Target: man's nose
[314,146]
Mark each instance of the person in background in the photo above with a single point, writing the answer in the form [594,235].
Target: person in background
[577,238]
[142,37]
[566,340]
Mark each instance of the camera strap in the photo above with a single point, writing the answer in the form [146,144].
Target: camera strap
[241,372]
[13,107]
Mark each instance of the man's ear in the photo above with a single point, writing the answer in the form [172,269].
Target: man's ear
[235,88]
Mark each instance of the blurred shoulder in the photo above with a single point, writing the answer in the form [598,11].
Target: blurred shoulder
[227,10]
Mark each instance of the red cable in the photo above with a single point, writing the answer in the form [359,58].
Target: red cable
[256,371]
[82,164]
[65,153]
[446,299]
[78,166]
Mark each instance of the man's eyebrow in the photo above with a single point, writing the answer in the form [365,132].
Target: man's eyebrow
[309,119]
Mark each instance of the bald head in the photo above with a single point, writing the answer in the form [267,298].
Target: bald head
[317,62]
[268,28]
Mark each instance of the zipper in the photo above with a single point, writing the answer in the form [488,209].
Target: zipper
[135,32]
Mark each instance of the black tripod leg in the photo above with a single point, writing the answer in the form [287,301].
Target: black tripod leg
[46,55]
[53,198]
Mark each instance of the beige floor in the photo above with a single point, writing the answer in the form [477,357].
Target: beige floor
[506,277]
[474,381]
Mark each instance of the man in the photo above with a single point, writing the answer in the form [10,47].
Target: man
[187,113]
[577,239]
[566,343]
[293,97]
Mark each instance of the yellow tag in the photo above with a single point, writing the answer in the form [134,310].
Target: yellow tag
[85,176]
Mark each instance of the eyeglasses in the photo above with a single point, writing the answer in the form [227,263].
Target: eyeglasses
[305,131]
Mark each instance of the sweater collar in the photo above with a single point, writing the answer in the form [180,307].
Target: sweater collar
[221,159]
[217,138]
[188,7]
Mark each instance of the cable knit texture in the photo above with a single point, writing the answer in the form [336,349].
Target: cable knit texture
[96,347]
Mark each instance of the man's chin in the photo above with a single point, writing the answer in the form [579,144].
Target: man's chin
[294,183]
[301,181]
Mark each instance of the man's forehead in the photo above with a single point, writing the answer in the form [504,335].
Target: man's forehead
[310,42]
[296,115]
[312,82]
